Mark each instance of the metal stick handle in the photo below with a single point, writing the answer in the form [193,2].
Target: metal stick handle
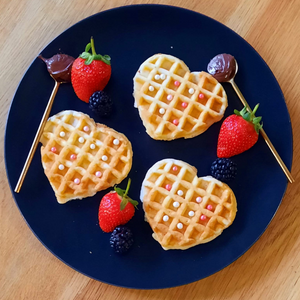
[264,135]
[37,137]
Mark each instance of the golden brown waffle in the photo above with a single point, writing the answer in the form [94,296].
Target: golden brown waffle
[174,103]
[182,209]
[81,157]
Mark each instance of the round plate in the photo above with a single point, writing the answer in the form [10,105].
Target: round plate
[130,35]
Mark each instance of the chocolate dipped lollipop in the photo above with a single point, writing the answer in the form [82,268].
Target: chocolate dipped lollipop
[224,67]
[59,68]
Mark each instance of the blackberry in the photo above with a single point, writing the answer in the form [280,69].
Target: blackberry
[223,169]
[121,239]
[101,104]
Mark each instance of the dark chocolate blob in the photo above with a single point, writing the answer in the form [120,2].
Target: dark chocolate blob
[59,66]
[222,67]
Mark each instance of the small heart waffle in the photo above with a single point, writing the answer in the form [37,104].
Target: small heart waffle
[182,209]
[175,103]
[81,157]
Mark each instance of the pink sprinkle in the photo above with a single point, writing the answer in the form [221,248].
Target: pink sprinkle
[184,104]
[177,83]
[203,217]
[199,199]
[169,97]
[168,187]
[76,180]
[175,122]
[98,174]
[86,128]
[209,207]
[73,156]
[201,96]
[53,149]
[174,168]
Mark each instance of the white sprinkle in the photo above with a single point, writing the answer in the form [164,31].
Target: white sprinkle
[163,76]
[62,134]
[191,91]
[179,226]
[191,213]
[157,77]
[98,174]
[199,199]
[151,88]
[86,128]
[166,218]
[76,180]
[176,204]
[61,167]
[169,97]
[162,111]
[92,146]
[104,158]
[180,193]
[81,140]
[116,142]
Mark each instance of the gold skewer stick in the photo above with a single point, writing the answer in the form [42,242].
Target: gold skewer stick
[264,135]
[37,137]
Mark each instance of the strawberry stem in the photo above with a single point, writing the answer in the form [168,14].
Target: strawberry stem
[124,197]
[127,188]
[90,57]
[93,46]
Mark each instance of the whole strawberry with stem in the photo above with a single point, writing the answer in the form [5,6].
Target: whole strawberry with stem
[116,208]
[90,72]
[238,133]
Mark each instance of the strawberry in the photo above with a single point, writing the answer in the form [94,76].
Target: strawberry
[90,73]
[116,208]
[238,133]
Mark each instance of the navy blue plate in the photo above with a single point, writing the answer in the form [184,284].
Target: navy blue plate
[130,35]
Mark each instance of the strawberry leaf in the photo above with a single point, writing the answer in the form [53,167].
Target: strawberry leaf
[98,57]
[133,202]
[256,120]
[107,57]
[123,203]
[247,116]
[237,112]
[85,55]
[103,58]
[89,60]
[257,127]
[119,191]
[88,47]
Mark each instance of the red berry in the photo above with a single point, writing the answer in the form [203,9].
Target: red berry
[238,133]
[90,73]
[112,213]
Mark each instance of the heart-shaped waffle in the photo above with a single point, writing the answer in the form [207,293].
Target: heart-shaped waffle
[175,103]
[81,157]
[182,209]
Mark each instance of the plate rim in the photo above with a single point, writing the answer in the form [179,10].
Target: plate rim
[134,6]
